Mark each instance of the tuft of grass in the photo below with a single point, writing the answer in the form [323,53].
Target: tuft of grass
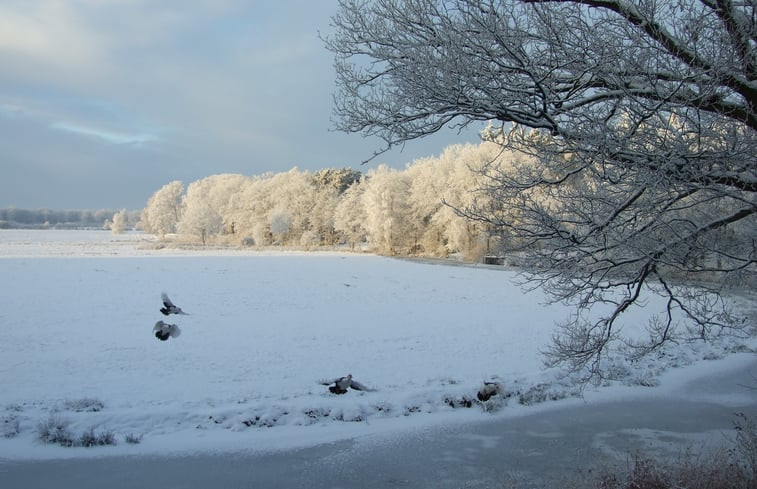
[494,404]
[744,451]
[84,405]
[734,467]
[91,439]
[54,430]
[540,393]
[10,426]
[133,439]
[459,402]
[731,467]
[714,471]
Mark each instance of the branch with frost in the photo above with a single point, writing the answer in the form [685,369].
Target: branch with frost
[638,119]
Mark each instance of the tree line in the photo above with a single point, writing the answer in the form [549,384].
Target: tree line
[411,211]
[12,217]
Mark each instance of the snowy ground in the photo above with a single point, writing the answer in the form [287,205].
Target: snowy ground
[77,349]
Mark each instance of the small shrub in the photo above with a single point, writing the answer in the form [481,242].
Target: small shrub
[91,439]
[88,438]
[648,474]
[133,439]
[412,409]
[745,449]
[383,407]
[54,430]
[732,467]
[106,438]
[735,468]
[714,471]
[265,421]
[15,408]
[459,402]
[10,427]
[494,404]
[541,393]
[84,405]
[251,421]
[643,379]
[317,413]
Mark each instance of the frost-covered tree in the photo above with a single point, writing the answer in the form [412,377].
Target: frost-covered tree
[641,118]
[388,225]
[280,224]
[349,215]
[435,181]
[118,226]
[206,203]
[451,181]
[199,220]
[217,191]
[284,200]
[329,185]
[292,198]
[248,210]
[340,179]
[163,210]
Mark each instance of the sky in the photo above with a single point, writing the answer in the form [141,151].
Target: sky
[102,102]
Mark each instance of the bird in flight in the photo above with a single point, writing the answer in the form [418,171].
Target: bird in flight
[163,331]
[169,307]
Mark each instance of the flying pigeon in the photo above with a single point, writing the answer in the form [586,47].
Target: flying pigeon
[163,331]
[343,383]
[169,307]
[489,389]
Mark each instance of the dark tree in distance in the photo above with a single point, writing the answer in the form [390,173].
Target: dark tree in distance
[641,115]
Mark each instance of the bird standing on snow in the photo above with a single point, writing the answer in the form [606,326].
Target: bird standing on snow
[343,383]
[169,307]
[488,390]
[163,331]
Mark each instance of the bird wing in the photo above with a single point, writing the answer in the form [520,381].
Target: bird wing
[159,326]
[174,331]
[359,387]
[166,301]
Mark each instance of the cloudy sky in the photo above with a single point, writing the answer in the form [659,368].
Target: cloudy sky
[104,101]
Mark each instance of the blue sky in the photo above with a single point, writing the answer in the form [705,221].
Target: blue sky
[104,101]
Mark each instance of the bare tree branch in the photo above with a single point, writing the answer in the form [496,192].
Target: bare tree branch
[641,118]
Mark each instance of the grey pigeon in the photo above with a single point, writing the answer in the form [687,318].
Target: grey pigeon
[163,331]
[343,383]
[169,307]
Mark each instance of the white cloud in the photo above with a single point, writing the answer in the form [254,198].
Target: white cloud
[47,35]
[105,135]
[208,86]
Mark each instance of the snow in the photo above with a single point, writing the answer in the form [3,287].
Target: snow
[265,327]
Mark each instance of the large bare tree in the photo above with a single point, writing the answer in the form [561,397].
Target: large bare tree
[641,115]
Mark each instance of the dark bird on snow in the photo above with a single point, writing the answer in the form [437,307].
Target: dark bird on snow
[169,307]
[343,383]
[489,389]
[163,331]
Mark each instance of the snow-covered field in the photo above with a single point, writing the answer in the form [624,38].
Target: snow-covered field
[77,349]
